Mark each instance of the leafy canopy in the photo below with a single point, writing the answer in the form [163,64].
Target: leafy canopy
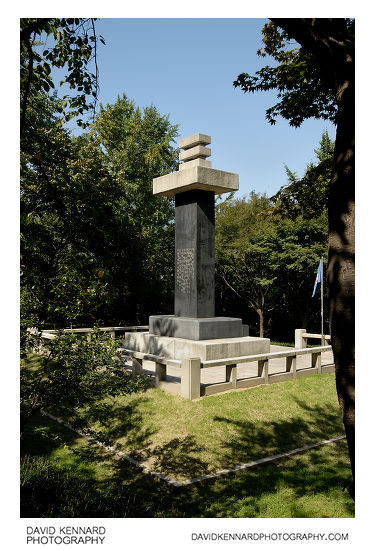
[68,43]
[302,90]
[94,239]
[266,260]
[307,196]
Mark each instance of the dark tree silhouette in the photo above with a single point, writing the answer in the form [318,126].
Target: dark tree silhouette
[324,68]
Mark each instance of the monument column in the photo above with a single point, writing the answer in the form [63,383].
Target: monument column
[195,254]
[195,238]
[194,187]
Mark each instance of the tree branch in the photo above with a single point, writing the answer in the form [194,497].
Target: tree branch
[326,39]
[230,286]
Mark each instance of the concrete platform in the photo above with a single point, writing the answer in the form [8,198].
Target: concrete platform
[176,348]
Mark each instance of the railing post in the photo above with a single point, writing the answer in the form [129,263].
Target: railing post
[231,374]
[160,373]
[263,370]
[191,378]
[299,340]
[113,335]
[291,365]
[316,360]
[137,367]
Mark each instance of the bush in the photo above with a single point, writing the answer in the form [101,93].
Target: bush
[73,372]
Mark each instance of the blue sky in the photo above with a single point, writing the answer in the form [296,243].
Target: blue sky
[186,68]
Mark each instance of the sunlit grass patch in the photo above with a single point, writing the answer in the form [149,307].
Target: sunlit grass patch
[71,477]
[186,439]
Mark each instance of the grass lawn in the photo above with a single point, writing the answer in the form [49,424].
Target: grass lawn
[63,475]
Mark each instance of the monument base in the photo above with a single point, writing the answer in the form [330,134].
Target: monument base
[197,329]
[176,348]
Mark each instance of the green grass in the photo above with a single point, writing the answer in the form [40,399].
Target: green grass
[184,439]
[277,343]
[63,475]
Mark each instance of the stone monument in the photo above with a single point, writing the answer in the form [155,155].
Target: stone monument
[194,328]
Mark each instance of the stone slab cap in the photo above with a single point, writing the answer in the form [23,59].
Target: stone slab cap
[195,139]
[198,151]
[197,177]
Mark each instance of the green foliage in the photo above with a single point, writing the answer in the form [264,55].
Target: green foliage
[138,148]
[244,247]
[65,203]
[73,372]
[94,240]
[73,48]
[266,264]
[297,76]
[307,196]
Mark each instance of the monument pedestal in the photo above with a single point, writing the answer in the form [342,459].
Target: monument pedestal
[197,329]
[212,349]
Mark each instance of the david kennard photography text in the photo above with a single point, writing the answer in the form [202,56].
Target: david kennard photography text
[65,534]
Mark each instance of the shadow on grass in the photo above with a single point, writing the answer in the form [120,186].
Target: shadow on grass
[253,440]
[89,482]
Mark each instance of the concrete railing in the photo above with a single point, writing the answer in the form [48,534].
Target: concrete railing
[301,336]
[190,371]
[263,374]
[192,388]
[48,334]
[51,333]
[190,368]
[160,364]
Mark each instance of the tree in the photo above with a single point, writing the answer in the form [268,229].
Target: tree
[244,245]
[317,80]
[299,244]
[94,239]
[66,204]
[266,260]
[138,147]
[307,196]
[69,44]
[74,45]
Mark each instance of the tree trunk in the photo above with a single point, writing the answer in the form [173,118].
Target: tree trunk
[261,322]
[340,272]
[329,41]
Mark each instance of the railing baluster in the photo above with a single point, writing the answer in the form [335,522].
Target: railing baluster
[137,365]
[263,370]
[160,373]
[316,360]
[231,374]
[191,378]
[291,365]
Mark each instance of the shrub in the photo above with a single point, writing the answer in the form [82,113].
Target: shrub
[72,372]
